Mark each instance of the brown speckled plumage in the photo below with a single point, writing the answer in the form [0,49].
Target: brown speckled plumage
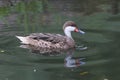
[50,41]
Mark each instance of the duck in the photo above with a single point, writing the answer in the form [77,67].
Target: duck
[52,41]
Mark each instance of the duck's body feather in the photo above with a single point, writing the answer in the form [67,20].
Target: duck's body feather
[48,37]
[48,41]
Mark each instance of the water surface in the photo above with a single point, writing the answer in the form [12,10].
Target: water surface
[101,57]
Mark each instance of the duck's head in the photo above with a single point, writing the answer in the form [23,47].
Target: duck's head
[70,26]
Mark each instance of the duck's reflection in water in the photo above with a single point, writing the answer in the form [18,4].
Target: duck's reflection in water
[71,61]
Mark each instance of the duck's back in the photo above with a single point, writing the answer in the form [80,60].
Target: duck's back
[47,37]
[50,41]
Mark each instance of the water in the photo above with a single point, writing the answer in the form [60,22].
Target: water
[97,52]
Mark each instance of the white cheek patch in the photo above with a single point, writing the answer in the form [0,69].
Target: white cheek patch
[70,28]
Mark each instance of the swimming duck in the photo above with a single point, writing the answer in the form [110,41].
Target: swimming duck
[53,41]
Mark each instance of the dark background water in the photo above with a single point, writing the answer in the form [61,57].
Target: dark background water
[99,19]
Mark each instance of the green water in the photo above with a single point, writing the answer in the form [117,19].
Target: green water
[101,39]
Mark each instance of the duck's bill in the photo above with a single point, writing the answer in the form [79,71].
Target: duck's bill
[81,32]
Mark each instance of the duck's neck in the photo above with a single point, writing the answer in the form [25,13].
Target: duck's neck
[68,33]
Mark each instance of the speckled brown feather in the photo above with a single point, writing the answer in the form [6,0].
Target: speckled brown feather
[50,41]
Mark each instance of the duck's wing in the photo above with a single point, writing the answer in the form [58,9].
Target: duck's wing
[54,38]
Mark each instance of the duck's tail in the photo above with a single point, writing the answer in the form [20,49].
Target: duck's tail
[23,40]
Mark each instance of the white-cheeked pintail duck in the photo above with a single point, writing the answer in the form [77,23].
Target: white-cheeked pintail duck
[53,41]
